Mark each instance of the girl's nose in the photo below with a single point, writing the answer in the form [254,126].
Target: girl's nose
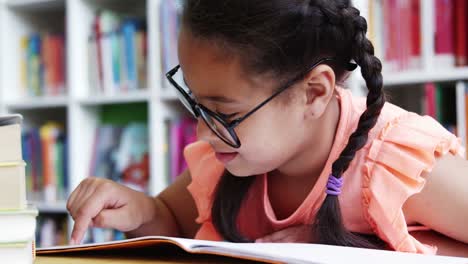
[204,132]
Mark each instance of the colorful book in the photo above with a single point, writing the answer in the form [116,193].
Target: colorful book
[415,33]
[430,100]
[52,230]
[43,64]
[444,35]
[182,133]
[121,153]
[461,32]
[117,53]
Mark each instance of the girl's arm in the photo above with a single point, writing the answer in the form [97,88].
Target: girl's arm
[442,205]
[104,203]
[175,210]
[446,246]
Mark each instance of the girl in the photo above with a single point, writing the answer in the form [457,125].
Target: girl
[285,154]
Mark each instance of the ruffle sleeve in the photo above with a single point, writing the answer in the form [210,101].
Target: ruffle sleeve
[205,171]
[394,168]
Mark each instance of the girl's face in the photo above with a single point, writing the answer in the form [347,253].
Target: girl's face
[271,137]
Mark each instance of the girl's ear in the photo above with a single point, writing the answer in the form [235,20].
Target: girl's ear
[318,89]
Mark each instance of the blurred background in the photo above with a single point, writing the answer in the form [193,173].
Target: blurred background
[88,78]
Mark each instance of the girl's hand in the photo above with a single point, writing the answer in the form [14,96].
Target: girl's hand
[295,234]
[103,203]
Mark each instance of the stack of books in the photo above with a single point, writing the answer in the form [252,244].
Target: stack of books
[17,219]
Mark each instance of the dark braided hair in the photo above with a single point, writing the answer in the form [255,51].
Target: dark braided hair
[285,38]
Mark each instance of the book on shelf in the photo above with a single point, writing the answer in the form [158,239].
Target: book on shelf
[17,219]
[437,100]
[120,150]
[117,53]
[102,235]
[170,22]
[461,32]
[43,64]
[120,153]
[395,29]
[144,249]
[444,33]
[52,230]
[395,32]
[181,133]
[45,151]
[462,111]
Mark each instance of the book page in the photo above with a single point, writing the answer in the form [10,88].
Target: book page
[183,243]
[315,253]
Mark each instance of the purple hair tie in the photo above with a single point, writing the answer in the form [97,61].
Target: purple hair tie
[334,185]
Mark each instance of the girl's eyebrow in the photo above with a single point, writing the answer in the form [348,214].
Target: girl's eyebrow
[220,99]
[215,98]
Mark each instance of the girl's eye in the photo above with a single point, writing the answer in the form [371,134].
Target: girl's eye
[227,116]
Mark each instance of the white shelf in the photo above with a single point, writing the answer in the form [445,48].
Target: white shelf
[38,102]
[442,75]
[130,97]
[35,5]
[415,77]
[51,207]
[169,95]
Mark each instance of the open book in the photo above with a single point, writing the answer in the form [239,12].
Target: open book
[152,246]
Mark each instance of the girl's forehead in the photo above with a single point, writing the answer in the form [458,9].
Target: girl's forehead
[211,72]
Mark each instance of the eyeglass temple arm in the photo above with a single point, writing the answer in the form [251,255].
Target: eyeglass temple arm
[234,123]
[171,73]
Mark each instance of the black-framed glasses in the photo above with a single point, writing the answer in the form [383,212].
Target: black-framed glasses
[217,123]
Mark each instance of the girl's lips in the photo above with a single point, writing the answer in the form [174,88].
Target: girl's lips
[226,157]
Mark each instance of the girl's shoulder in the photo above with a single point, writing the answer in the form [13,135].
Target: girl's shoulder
[401,148]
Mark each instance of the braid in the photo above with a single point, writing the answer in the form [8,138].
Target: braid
[328,225]
[371,68]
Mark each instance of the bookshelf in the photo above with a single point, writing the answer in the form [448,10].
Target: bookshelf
[430,70]
[79,107]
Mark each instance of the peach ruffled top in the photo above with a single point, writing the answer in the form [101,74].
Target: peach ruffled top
[383,175]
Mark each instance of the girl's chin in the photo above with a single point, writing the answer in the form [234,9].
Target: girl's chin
[241,171]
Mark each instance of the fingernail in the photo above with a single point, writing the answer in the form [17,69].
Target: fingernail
[72,242]
[259,240]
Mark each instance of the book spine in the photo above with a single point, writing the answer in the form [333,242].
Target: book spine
[430,100]
[415,34]
[444,46]
[461,32]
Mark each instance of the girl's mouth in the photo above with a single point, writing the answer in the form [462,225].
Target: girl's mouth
[226,156]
